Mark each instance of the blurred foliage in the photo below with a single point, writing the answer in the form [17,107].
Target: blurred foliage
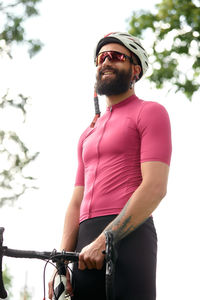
[174,28]
[13,15]
[25,294]
[19,103]
[14,157]
[14,154]
[7,279]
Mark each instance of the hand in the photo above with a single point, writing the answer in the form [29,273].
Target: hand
[91,256]
[69,289]
[50,286]
[68,284]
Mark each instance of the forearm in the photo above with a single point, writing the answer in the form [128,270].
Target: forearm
[70,230]
[138,208]
[71,223]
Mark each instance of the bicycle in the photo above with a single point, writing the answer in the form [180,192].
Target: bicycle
[60,259]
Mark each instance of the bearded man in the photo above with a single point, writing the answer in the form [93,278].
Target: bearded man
[123,165]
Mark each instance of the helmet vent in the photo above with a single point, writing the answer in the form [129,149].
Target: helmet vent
[140,46]
[133,46]
[124,34]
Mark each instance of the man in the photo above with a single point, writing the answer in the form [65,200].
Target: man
[121,178]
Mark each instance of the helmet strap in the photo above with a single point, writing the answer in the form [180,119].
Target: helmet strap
[97,110]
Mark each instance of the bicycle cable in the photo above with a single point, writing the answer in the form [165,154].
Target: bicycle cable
[44,275]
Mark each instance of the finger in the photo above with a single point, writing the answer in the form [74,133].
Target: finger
[50,285]
[91,265]
[82,265]
[100,262]
[68,284]
[50,291]
[86,261]
[94,262]
[99,265]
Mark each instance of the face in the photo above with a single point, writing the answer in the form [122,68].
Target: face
[114,77]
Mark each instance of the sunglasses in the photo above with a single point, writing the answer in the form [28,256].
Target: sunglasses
[113,56]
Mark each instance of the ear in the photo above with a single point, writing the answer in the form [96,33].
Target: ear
[136,70]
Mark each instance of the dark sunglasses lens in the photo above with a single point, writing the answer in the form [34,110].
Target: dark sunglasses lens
[111,55]
[102,56]
[118,56]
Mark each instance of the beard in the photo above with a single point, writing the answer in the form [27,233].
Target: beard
[119,84]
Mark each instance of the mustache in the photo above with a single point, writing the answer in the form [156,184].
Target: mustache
[105,69]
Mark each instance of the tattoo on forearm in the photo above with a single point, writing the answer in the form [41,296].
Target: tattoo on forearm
[123,229]
[122,226]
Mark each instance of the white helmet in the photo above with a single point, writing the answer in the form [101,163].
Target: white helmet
[131,43]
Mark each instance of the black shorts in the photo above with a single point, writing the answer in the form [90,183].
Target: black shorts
[135,276]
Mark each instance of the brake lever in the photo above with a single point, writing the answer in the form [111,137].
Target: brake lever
[110,257]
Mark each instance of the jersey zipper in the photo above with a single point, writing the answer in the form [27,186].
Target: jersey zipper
[98,159]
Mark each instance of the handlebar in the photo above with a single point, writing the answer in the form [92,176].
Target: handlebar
[3,293]
[54,256]
[59,258]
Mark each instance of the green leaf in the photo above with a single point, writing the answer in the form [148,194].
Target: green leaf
[175,25]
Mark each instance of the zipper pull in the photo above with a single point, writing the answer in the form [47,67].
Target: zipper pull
[110,108]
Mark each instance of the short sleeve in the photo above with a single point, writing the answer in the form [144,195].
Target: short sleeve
[155,133]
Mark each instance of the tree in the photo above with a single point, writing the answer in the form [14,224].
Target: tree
[14,14]
[14,154]
[174,28]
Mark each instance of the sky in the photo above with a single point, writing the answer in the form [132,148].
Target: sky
[60,82]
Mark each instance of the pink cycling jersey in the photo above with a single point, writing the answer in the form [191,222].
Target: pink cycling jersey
[110,154]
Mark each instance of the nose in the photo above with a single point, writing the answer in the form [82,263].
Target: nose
[106,60]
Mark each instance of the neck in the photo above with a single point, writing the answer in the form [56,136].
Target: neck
[114,99]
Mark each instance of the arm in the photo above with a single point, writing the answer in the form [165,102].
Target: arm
[71,223]
[143,201]
[138,208]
